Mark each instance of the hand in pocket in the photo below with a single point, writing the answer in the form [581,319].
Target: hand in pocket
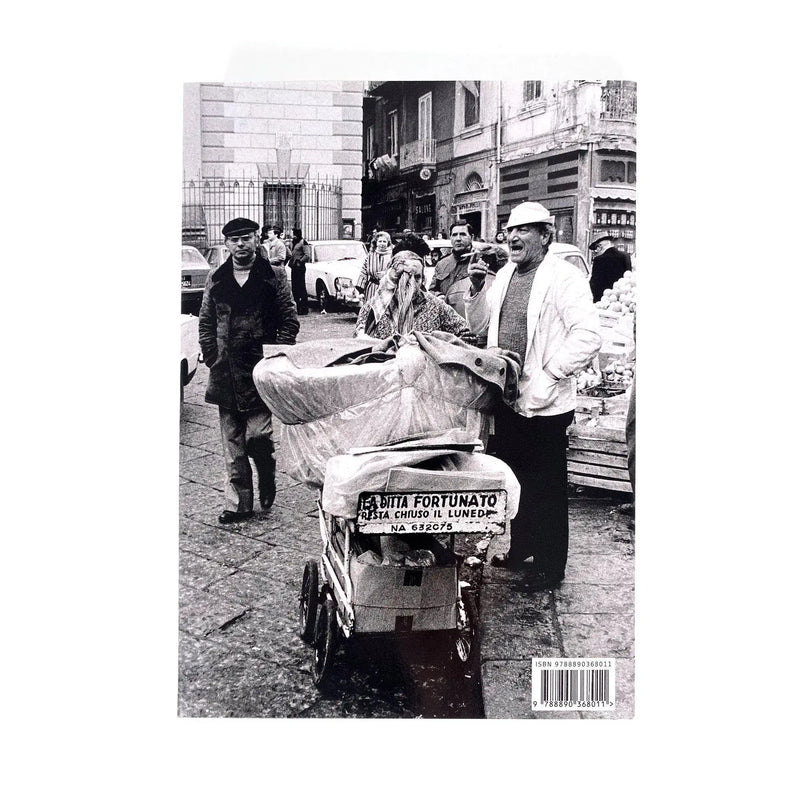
[544,390]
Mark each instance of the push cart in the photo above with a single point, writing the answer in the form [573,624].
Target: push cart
[393,571]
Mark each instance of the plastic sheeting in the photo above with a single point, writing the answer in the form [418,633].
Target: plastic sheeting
[349,475]
[328,410]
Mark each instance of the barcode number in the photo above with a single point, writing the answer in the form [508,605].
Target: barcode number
[572,684]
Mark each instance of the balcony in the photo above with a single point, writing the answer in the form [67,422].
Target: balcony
[618,101]
[414,155]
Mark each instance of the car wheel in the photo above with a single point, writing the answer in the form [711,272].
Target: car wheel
[323,296]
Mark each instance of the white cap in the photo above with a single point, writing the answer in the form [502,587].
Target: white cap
[528,212]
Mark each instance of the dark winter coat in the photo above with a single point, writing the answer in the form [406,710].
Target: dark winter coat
[607,269]
[300,254]
[234,324]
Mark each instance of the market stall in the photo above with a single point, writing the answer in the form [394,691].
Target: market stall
[598,452]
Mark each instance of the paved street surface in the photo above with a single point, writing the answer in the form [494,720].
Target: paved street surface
[241,656]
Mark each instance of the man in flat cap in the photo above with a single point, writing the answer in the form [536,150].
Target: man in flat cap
[244,307]
[608,265]
[540,307]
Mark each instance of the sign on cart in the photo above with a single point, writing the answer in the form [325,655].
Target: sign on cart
[432,512]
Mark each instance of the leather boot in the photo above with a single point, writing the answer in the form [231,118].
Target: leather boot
[266,481]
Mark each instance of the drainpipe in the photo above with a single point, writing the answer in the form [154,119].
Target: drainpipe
[497,163]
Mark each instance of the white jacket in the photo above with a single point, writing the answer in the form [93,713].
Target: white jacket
[563,333]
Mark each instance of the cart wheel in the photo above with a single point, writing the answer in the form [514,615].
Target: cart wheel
[466,644]
[326,639]
[309,597]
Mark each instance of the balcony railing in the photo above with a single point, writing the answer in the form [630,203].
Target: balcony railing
[421,153]
[619,101]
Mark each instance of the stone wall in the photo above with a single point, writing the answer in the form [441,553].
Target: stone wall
[308,128]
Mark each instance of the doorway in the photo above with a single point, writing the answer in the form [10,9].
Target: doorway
[474,219]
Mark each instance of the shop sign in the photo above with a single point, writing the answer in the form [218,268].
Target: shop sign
[464,208]
[423,205]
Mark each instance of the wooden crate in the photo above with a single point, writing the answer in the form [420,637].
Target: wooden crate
[598,456]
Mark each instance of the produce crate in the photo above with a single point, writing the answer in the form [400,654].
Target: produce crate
[608,319]
[598,455]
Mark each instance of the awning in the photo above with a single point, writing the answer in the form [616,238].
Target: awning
[620,193]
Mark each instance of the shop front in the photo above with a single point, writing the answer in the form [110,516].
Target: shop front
[472,207]
[615,216]
[424,210]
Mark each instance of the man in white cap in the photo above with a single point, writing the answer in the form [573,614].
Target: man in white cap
[540,307]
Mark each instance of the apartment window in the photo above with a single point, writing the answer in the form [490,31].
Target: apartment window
[371,142]
[472,103]
[531,91]
[425,117]
[612,171]
[392,136]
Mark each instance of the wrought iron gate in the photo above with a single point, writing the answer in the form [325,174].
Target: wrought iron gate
[208,203]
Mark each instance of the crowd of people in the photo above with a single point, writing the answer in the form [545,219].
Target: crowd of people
[540,309]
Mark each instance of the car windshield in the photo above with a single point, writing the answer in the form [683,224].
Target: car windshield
[192,258]
[338,250]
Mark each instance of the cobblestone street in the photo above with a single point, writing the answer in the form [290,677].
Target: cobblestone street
[240,653]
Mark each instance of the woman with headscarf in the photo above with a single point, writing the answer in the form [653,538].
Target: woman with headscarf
[401,304]
[374,266]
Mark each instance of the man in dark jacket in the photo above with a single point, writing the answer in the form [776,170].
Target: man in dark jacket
[608,266]
[300,256]
[244,307]
[453,267]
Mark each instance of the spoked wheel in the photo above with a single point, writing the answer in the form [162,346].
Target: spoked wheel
[309,597]
[466,643]
[326,639]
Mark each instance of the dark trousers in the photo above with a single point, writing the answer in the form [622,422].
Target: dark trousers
[245,435]
[536,450]
[299,288]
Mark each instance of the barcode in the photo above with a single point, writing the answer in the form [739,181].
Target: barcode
[572,683]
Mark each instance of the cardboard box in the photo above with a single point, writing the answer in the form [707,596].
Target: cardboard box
[387,599]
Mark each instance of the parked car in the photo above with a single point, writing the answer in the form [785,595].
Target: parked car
[572,254]
[332,273]
[194,271]
[190,349]
[439,249]
[216,255]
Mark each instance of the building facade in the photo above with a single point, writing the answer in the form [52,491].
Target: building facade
[572,147]
[439,151]
[285,151]
[429,155]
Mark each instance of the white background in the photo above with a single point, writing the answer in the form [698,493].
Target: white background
[93,104]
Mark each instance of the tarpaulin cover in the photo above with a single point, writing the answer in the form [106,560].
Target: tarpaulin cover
[348,475]
[329,409]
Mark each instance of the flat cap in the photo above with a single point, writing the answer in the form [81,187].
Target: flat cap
[600,239]
[239,226]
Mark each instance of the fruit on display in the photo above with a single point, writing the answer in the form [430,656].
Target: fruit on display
[618,373]
[621,297]
[588,379]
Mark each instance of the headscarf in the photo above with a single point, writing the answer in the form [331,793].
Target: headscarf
[397,291]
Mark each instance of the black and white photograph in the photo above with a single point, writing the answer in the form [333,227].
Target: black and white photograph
[470,296]
[407,428]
